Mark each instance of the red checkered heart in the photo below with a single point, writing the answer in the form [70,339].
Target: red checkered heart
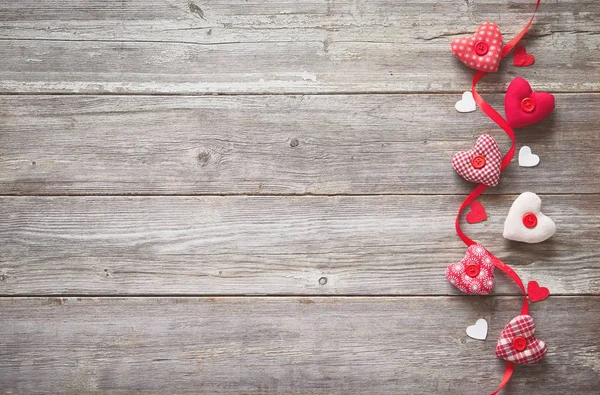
[481,164]
[475,273]
[518,344]
[482,50]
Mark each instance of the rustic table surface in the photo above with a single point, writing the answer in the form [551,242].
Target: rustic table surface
[255,196]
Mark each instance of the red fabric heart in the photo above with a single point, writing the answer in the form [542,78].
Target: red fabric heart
[527,349]
[525,107]
[465,163]
[536,293]
[475,273]
[521,58]
[481,51]
[477,213]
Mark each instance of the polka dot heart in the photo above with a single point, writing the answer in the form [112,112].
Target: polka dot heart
[481,51]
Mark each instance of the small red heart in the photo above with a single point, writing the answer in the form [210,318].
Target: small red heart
[522,58]
[535,292]
[525,107]
[477,213]
[481,51]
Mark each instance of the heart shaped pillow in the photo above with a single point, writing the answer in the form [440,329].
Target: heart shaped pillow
[480,164]
[482,50]
[525,221]
[475,273]
[525,107]
[518,344]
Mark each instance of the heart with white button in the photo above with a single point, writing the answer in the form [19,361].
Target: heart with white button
[517,342]
[482,50]
[475,273]
[481,164]
[525,221]
[525,107]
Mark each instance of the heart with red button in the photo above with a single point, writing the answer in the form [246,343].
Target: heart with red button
[480,164]
[481,51]
[518,344]
[475,273]
[525,107]
[525,221]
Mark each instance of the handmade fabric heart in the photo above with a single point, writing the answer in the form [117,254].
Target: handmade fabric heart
[518,344]
[482,50]
[525,107]
[521,58]
[525,221]
[477,213]
[475,273]
[535,292]
[481,164]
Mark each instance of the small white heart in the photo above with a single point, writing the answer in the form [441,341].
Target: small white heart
[526,158]
[466,104]
[479,330]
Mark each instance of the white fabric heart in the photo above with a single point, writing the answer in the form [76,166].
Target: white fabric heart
[466,104]
[525,221]
[479,330]
[527,158]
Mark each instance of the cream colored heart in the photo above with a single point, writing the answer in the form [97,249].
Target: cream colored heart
[479,330]
[527,158]
[518,228]
[466,104]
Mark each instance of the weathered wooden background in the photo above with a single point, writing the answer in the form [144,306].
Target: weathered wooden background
[255,196]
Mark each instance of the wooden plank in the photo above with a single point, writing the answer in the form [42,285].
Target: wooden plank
[340,144]
[303,46]
[288,345]
[272,245]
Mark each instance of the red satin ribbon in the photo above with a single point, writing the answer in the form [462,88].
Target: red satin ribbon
[508,371]
[480,189]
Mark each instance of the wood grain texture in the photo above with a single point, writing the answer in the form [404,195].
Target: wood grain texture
[308,46]
[288,345]
[272,245]
[333,144]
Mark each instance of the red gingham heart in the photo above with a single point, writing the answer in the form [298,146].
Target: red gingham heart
[482,50]
[475,273]
[487,171]
[518,344]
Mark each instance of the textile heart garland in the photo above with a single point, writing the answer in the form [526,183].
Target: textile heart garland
[475,273]
[518,344]
[481,51]
[480,164]
[525,221]
[525,107]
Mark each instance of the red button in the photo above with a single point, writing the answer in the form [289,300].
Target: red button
[528,105]
[472,270]
[481,48]
[530,220]
[520,343]
[478,161]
